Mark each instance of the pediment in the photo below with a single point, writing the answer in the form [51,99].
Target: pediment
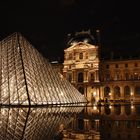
[81,45]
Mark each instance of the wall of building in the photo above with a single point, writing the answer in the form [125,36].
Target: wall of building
[104,80]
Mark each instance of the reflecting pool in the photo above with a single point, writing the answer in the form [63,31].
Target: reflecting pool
[70,123]
[105,123]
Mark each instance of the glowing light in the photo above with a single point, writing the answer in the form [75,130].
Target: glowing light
[131,93]
[110,106]
[94,107]
[132,106]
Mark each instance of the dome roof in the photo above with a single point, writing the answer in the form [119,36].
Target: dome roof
[84,36]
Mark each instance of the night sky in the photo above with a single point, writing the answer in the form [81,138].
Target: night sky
[46,24]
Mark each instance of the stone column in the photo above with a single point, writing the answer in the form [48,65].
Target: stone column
[85,76]
[74,76]
[122,92]
[97,76]
[112,93]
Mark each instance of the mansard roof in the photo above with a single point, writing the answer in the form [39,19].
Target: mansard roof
[83,36]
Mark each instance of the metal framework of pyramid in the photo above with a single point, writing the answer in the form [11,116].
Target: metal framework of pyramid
[27,78]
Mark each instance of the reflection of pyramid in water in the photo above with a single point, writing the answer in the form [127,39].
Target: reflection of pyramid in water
[34,123]
[28,79]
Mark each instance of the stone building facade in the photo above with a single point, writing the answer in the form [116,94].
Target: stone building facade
[81,64]
[96,78]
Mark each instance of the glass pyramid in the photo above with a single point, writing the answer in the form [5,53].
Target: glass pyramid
[27,78]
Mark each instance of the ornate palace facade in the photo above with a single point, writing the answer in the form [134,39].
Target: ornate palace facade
[96,78]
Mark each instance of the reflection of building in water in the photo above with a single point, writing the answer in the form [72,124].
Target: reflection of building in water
[98,78]
[26,78]
[120,122]
[107,122]
[34,123]
[85,126]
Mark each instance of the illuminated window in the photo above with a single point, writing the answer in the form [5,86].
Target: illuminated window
[81,56]
[80,77]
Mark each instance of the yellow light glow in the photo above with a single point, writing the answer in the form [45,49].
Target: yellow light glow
[131,93]
[94,107]
[132,106]
[94,93]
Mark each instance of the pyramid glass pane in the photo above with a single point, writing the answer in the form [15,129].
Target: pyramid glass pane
[27,78]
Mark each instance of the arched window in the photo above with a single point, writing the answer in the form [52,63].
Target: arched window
[117,91]
[80,77]
[81,90]
[127,91]
[106,91]
[81,56]
[137,90]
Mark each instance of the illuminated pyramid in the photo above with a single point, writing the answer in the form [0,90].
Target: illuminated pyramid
[26,78]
